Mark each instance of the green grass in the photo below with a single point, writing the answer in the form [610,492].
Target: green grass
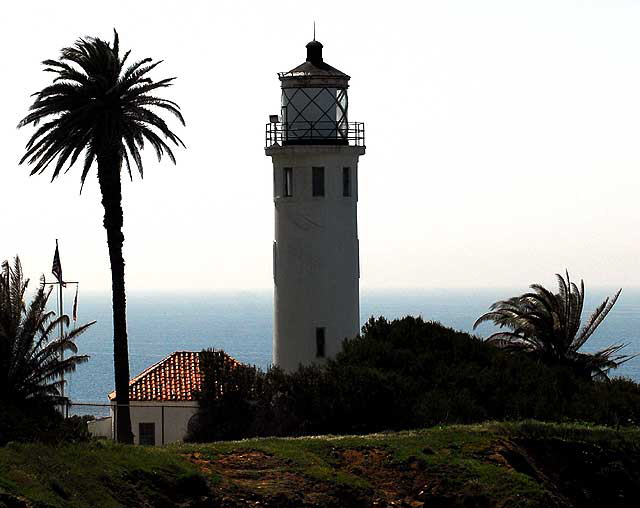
[609,437]
[451,453]
[91,474]
[454,457]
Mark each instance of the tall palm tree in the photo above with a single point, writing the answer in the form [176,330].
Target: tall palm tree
[30,363]
[547,325]
[98,106]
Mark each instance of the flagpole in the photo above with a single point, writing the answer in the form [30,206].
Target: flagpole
[56,270]
[61,310]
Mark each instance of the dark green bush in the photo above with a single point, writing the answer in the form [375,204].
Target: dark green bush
[39,421]
[403,374]
[28,422]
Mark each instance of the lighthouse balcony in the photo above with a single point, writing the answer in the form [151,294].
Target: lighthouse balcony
[314,133]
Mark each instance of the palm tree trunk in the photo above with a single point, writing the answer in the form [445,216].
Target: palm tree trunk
[110,186]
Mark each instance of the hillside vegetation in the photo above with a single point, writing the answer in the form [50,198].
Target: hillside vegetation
[526,464]
[404,374]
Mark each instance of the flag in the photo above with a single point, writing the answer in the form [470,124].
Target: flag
[56,269]
[75,305]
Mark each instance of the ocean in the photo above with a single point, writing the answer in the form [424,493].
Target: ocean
[241,323]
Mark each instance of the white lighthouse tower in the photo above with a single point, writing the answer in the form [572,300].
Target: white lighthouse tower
[315,151]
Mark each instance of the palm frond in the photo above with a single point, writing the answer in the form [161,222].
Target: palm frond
[30,359]
[95,104]
[596,318]
[547,325]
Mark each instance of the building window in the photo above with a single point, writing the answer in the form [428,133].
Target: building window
[320,342]
[287,182]
[346,182]
[318,182]
[147,433]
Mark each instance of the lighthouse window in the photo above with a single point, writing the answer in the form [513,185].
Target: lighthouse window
[287,182]
[318,182]
[320,342]
[346,182]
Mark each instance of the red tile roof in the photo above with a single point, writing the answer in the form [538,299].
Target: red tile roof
[173,379]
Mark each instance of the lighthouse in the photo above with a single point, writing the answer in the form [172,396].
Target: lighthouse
[316,269]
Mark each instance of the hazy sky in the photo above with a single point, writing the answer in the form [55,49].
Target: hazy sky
[503,140]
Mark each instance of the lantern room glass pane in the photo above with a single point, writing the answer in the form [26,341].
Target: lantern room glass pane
[314,114]
[342,106]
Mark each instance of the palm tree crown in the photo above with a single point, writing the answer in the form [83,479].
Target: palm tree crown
[547,325]
[30,364]
[97,105]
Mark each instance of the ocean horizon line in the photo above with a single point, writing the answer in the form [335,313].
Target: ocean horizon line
[227,291]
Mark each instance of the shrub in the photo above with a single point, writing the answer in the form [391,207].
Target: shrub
[403,374]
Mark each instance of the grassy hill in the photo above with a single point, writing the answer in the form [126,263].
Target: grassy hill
[526,464]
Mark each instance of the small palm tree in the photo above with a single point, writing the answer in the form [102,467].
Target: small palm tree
[98,106]
[30,362]
[547,325]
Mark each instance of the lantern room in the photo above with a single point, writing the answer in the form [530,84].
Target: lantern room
[314,105]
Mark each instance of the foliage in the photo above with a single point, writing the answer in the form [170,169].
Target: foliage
[35,421]
[230,387]
[405,374]
[96,104]
[29,421]
[30,349]
[547,326]
[101,106]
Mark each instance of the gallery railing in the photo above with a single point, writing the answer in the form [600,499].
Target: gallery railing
[304,132]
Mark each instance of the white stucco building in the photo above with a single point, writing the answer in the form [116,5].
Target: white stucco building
[316,270]
[161,401]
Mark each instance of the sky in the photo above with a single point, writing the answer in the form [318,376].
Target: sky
[503,141]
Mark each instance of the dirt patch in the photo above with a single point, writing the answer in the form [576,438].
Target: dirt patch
[513,457]
[254,470]
[259,479]
[371,477]
[392,484]
[253,460]
[201,463]
[368,477]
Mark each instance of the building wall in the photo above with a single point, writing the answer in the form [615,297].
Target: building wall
[101,427]
[176,419]
[316,254]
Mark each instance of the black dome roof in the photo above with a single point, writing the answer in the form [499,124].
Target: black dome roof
[314,65]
